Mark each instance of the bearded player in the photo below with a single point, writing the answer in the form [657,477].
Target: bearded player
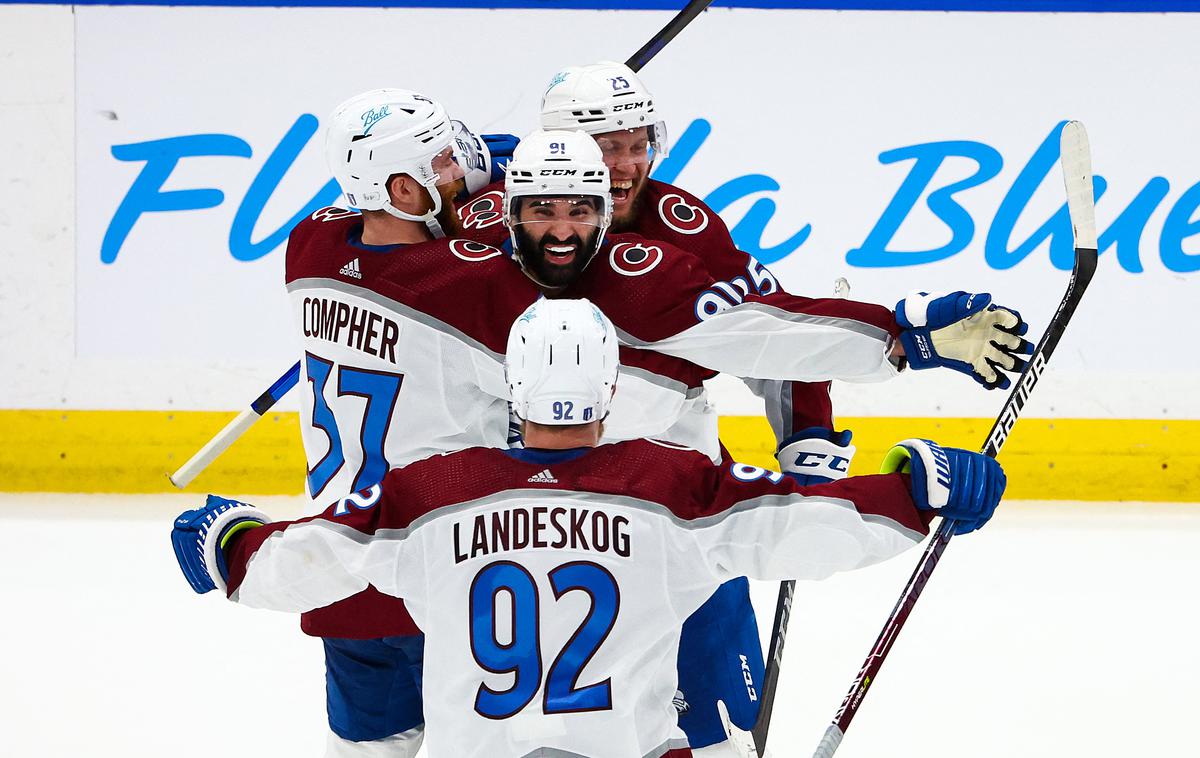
[665,301]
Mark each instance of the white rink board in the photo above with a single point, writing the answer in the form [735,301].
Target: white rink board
[805,100]
[1059,630]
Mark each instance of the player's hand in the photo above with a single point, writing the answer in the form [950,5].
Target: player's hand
[959,485]
[816,455]
[500,149]
[964,332]
[201,534]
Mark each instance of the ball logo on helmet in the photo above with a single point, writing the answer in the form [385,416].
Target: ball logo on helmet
[373,117]
[678,214]
[473,251]
[634,259]
[484,211]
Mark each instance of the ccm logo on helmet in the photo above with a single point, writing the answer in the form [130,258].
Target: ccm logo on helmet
[629,106]
[558,172]
[678,214]
[634,259]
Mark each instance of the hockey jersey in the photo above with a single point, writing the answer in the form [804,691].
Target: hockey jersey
[404,358]
[552,585]
[673,215]
[394,368]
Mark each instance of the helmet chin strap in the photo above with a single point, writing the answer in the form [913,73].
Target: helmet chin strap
[430,218]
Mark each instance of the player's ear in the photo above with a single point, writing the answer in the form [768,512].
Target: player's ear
[398,191]
[407,194]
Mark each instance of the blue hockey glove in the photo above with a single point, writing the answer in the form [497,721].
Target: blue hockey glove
[201,534]
[500,149]
[816,455]
[959,485]
[964,332]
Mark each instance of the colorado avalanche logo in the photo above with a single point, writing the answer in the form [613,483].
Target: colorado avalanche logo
[473,251]
[634,259]
[332,214]
[484,211]
[680,216]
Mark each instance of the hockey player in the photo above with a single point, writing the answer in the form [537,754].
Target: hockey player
[402,362]
[610,102]
[552,581]
[395,369]
[667,301]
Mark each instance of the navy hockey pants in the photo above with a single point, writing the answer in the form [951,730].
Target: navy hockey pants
[720,658]
[373,687]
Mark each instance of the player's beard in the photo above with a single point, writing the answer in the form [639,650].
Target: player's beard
[539,265]
[447,217]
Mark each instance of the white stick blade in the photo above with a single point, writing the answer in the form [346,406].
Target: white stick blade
[1077,175]
[217,445]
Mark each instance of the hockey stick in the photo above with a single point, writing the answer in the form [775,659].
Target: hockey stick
[1077,174]
[783,614]
[666,34]
[236,428]
[244,420]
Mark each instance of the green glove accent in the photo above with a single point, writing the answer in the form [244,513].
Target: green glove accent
[238,527]
[899,458]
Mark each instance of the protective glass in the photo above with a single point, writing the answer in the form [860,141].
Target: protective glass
[632,146]
[562,213]
[445,164]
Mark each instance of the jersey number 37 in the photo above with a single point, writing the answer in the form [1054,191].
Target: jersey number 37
[380,389]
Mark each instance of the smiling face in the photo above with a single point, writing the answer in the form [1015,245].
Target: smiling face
[556,236]
[627,155]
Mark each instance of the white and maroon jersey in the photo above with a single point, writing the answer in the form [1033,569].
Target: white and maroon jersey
[404,355]
[679,323]
[403,358]
[674,216]
[552,585]
[404,349]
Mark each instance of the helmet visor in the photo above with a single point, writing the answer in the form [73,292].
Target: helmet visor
[447,168]
[641,145]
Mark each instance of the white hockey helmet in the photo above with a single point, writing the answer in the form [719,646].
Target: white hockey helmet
[561,363]
[557,163]
[378,134]
[602,97]
[560,165]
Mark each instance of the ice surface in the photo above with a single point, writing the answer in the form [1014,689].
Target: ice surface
[1060,630]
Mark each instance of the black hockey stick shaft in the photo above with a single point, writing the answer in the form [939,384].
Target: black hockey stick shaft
[1077,172]
[783,611]
[666,34]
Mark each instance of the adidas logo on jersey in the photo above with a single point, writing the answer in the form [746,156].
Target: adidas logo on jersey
[543,477]
[351,269]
